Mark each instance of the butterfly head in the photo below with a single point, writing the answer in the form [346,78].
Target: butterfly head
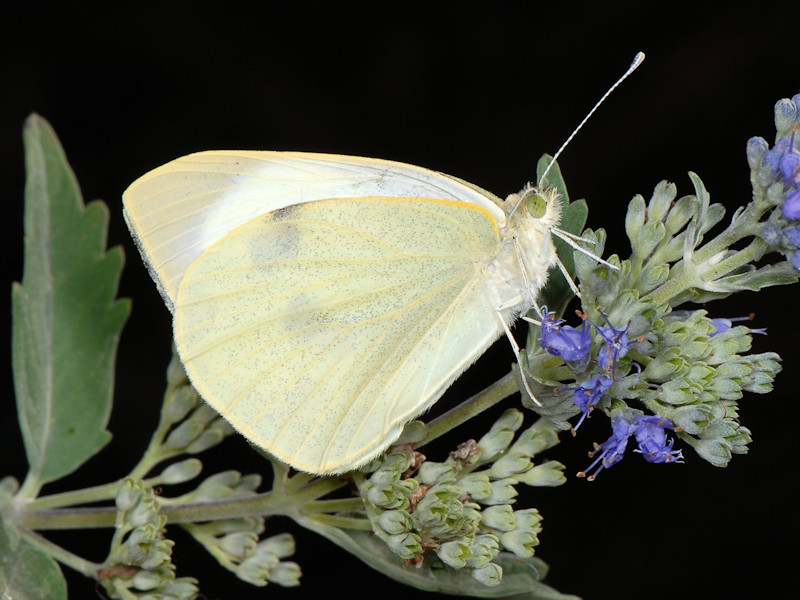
[537,207]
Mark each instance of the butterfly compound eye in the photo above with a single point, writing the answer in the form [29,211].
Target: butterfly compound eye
[536,206]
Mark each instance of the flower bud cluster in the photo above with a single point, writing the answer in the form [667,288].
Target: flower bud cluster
[139,565]
[236,546]
[688,371]
[235,542]
[775,172]
[195,425]
[458,512]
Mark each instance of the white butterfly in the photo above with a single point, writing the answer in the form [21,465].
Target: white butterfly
[320,302]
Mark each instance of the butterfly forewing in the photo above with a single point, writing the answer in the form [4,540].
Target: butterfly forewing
[180,209]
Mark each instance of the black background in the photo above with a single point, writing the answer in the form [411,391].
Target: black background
[479,92]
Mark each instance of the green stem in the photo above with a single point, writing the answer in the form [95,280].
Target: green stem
[65,557]
[341,522]
[333,506]
[498,391]
[261,505]
[98,493]
[690,276]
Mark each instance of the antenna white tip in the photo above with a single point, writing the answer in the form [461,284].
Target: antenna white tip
[637,60]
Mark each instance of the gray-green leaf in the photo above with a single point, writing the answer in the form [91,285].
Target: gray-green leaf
[25,572]
[66,321]
[521,577]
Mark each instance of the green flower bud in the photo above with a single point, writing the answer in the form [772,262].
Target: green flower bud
[129,494]
[8,487]
[148,580]
[182,400]
[227,484]
[528,518]
[509,465]
[785,116]
[692,418]
[183,435]
[394,522]
[239,545]
[679,215]
[182,588]
[225,526]
[661,201]
[454,554]
[431,473]
[679,391]
[635,217]
[286,574]
[394,496]
[182,471]
[699,373]
[207,439]
[176,374]
[144,513]
[159,554]
[490,575]
[281,545]
[547,474]
[405,545]
[665,366]
[520,541]
[484,550]
[499,517]
[537,438]
[413,433]
[501,434]
[503,492]
[650,236]
[476,485]
[755,150]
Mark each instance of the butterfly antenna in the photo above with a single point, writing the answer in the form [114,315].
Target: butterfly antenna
[637,60]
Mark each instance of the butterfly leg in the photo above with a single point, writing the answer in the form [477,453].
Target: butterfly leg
[515,348]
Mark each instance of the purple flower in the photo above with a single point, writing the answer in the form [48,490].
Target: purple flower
[790,166]
[796,260]
[615,347]
[791,207]
[793,235]
[650,435]
[562,340]
[612,450]
[722,325]
[771,234]
[588,393]
[772,158]
[652,439]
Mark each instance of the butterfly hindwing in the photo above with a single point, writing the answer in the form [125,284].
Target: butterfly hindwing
[321,328]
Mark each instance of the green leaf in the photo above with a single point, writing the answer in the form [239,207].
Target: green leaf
[557,293]
[66,322]
[521,577]
[25,572]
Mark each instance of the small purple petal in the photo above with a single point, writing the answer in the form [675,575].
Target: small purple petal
[771,234]
[796,260]
[652,439]
[791,207]
[793,235]
[790,166]
[772,158]
[616,345]
[613,449]
[721,325]
[571,344]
